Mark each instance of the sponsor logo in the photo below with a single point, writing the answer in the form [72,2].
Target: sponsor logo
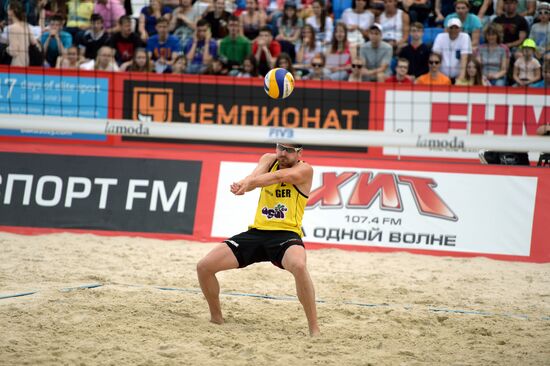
[152,104]
[386,187]
[281,133]
[138,130]
[440,144]
[278,212]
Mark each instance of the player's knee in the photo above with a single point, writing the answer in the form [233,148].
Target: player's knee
[203,267]
[297,267]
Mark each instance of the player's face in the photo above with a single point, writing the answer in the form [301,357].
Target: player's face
[287,155]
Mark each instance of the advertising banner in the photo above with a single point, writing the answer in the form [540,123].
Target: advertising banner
[53,95]
[469,112]
[239,103]
[98,193]
[438,211]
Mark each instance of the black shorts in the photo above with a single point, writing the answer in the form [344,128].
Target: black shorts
[255,246]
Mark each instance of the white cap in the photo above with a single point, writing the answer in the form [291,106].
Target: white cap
[376,26]
[454,22]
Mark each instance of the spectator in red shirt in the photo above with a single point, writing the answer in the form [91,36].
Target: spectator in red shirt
[266,50]
[400,76]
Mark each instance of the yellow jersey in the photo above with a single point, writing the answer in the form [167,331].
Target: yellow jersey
[281,207]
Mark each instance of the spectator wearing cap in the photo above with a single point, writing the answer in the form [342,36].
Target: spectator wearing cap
[494,56]
[471,24]
[454,46]
[540,32]
[377,54]
[110,11]
[515,26]
[416,52]
[434,76]
[527,69]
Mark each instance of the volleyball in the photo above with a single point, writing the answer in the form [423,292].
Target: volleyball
[278,83]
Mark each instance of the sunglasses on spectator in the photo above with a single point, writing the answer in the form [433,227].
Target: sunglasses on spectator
[288,149]
[358,66]
[434,62]
[317,65]
[544,12]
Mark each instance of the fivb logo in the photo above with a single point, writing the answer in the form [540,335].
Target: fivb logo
[152,104]
[384,186]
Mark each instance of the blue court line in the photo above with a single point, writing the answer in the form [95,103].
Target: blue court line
[366,305]
[81,287]
[286,298]
[17,295]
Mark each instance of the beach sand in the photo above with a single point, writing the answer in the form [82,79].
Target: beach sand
[376,309]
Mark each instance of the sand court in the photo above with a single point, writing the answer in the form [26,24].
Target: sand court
[374,308]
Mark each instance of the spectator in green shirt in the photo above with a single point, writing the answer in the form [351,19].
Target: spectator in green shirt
[234,47]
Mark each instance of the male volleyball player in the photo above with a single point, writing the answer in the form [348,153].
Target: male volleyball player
[276,233]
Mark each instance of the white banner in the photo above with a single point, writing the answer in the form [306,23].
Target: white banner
[475,213]
[425,112]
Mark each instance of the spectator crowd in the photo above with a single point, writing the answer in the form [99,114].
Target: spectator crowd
[428,42]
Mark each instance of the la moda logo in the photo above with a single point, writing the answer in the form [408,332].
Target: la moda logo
[387,188]
[132,129]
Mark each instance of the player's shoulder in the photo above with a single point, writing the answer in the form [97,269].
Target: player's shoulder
[304,165]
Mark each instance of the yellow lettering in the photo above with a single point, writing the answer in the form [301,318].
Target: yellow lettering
[271,118]
[205,113]
[315,119]
[191,114]
[332,120]
[349,114]
[296,120]
[227,118]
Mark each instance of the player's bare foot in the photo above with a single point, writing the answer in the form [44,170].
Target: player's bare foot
[316,332]
[217,320]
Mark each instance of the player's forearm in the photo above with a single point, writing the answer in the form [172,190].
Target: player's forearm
[263,180]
